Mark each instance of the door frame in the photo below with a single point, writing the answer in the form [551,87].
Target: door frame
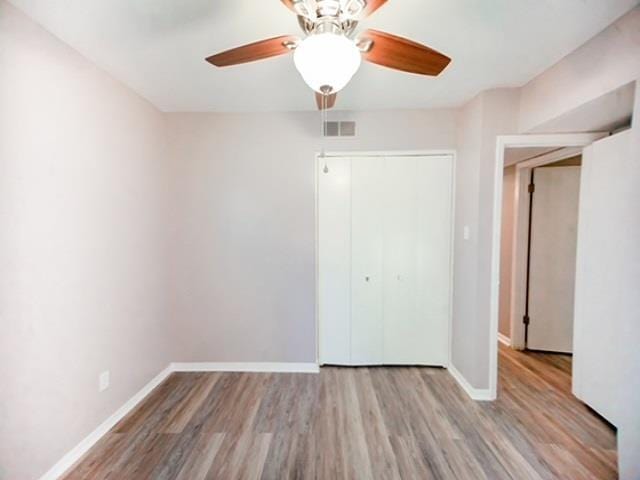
[562,140]
[520,238]
[383,153]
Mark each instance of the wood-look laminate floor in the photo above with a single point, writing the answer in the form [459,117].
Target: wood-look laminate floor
[381,423]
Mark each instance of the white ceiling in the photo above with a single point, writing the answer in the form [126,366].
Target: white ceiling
[157,47]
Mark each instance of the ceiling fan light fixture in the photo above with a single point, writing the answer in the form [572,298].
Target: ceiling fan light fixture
[327,60]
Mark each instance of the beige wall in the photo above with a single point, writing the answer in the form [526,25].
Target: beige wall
[81,246]
[606,62]
[244,225]
[506,249]
[490,114]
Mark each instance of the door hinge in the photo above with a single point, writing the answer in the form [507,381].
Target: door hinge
[532,187]
[526,319]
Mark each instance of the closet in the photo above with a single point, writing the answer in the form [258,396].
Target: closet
[384,259]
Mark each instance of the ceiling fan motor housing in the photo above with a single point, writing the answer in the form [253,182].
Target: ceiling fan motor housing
[343,9]
[340,17]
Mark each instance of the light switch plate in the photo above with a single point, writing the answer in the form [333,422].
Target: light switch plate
[103,381]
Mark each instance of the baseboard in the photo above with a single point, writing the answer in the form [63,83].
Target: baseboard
[246,367]
[481,394]
[504,339]
[83,447]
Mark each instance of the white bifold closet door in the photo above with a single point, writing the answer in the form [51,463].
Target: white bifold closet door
[367,229]
[385,260]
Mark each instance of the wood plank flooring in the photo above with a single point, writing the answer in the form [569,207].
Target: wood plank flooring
[378,423]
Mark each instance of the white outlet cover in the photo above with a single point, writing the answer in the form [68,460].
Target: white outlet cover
[466,232]
[103,381]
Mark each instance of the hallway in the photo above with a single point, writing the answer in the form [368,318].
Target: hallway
[535,402]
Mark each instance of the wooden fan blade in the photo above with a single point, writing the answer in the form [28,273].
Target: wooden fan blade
[371,6]
[329,101]
[254,51]
[402,54]
[289,4]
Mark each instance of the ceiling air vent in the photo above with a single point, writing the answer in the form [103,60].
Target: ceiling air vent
[339,129]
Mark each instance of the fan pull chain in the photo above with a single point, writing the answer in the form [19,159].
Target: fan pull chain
[323,118]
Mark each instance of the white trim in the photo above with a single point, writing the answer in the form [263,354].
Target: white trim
[390,153]
[245,367]
[479,394]
[66,462]
[515,141]
[503,339]
[452,246]
[316,246]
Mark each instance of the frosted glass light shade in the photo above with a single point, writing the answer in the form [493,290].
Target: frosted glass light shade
[327,59]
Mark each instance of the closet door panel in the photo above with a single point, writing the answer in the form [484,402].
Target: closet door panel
[417,244]
[366,261]
[334,260]
[403,327]
[435,255]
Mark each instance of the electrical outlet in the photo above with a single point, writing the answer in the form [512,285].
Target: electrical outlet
[103,381]
[466,232]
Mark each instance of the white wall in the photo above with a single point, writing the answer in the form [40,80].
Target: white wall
[244,224]
[82,193]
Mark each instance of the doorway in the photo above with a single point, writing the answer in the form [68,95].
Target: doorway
[546,183]
[553,224]
[528,152]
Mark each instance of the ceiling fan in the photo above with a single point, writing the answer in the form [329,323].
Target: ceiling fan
[331,52]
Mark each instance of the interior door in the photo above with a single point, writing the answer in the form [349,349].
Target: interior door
[606,363]
[367,202]
[417,262]
[554,223]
